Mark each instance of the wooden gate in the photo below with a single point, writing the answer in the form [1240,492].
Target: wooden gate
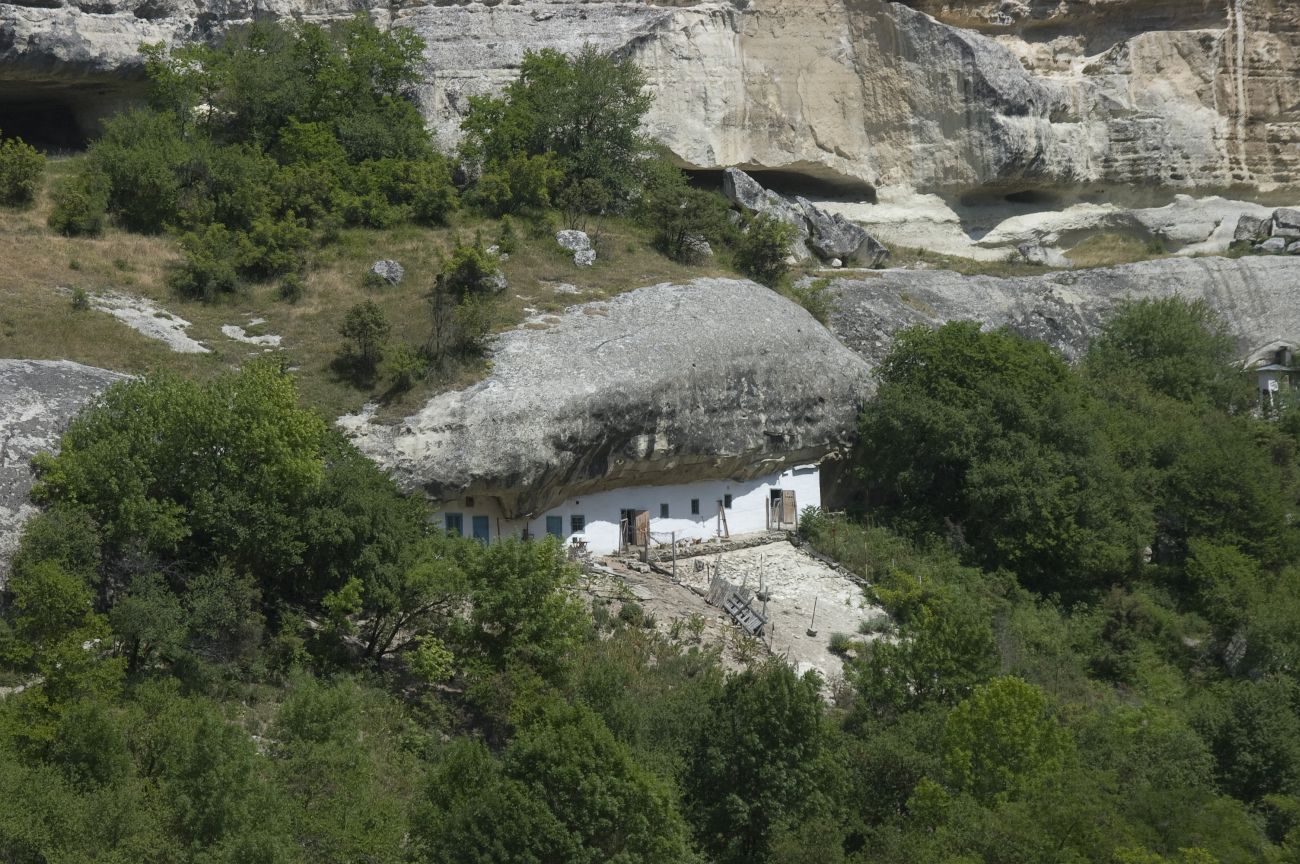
[784,510]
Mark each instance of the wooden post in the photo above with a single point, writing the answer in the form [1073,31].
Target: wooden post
[674,536]
[767,513]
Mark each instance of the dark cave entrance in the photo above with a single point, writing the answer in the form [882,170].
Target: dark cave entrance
[62,116]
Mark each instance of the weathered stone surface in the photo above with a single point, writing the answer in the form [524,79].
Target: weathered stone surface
[1255,296]
[696,249]
[37,399]
[1250,229]
[1286,222]
[1294,248]
[574,241]
[716,378]
[584,257]
[1275,245]
[1153,94]
[388,270]
[833,236]
[830,235]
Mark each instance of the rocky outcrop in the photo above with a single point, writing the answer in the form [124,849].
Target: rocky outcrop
[716,378]
[1257,297]
[829,235]
[990,97]
[37,399]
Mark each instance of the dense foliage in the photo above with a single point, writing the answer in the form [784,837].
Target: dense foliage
[236,641]
[21,170]
[252,150]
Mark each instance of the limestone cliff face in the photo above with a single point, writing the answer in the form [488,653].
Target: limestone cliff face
[718,378]
[1257,297]
[955,97]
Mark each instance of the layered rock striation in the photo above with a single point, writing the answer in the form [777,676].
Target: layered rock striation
[1256,296]
[1090,101]
[717,378]
[37,399]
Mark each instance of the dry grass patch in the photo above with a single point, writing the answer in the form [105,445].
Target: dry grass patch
[41,268]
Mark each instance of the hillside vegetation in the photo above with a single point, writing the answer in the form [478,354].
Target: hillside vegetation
[228,637]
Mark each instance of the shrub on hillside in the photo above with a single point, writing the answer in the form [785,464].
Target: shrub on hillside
[209,266]
[468,270]
[80,202]
[678,212]
[365,327]
[21,169]
[142,155]
[763,248]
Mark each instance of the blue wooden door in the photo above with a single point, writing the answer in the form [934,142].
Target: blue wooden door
[455,523]
[555,526]
[480,528]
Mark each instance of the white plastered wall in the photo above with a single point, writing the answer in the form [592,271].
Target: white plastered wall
[601,510]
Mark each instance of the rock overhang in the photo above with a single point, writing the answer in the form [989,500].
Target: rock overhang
[715,378]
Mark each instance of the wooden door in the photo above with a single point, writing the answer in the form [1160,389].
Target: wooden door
[642,527]
[788,509]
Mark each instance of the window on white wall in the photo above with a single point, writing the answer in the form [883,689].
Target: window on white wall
[577,522]
[663,511]
[695,506]
[455,522]
[726,500]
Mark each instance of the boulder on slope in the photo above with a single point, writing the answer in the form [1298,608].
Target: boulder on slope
[716,378]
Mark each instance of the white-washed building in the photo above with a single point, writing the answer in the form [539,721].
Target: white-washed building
[610,520]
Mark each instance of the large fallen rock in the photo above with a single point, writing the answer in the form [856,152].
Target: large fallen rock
[830,235]
[716,378]
[1256,296]
[37,399]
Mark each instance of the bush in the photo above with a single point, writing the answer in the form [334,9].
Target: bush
[815,297]
[209,266]
[507,239]
[468,269]
[763,248]
[365,327]
[292,287]
[677,212]
[406,366]
[21,171]
[273,247]
[142,155]
[80,204]
[80,299]
[460,329]
[520,182]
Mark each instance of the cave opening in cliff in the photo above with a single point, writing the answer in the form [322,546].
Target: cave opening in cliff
[47,126]
[58,116]
[821,185]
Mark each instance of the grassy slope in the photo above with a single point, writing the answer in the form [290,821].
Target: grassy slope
[40,268]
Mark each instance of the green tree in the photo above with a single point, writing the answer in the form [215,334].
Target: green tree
[679,213]
[365,327]
[757,762]
[945,648]
[612,808]
[1001,741]
[194,475]
[521,614]
[991,441]
[22,168]
[586,111]
[763,249]
[1177,348]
